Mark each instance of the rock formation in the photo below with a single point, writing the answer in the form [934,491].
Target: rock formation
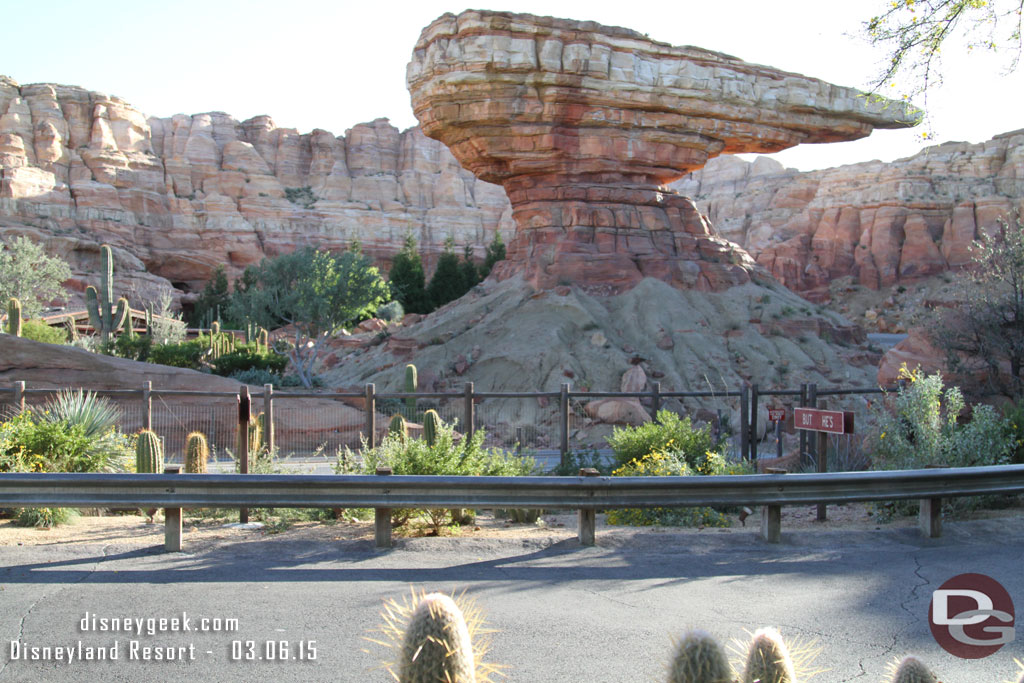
[881,223]
[178,196]
[583,124]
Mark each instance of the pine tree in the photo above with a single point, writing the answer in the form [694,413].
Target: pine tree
[470,273]
[447,284]
[495,253]
[214,298]
[407,279]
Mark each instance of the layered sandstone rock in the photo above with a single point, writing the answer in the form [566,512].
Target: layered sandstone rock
[180,195]
[881,223]
[583,124]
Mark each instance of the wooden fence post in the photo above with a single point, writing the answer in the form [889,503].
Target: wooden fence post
[19,396]
[812,400]
[802,433]
[655,399]
[470,426]
[244,416]
[929,518]
[588,518]
[172,520]
[563,407]
[745,422]
[382,518]
[371,415]
[771,516]
[754,398]
[268,416]
[147,405]
[822,460]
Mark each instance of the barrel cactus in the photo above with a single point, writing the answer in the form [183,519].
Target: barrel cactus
[699,658]
[437,644]
[398,427]
[431,426]
[149,453]
[912,670]
[768,659]
[197,452]
[14,317]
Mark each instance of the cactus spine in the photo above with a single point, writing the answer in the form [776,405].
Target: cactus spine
[149,453]
[197,452]
[768,659]
[431,424]
[699,659]
[398,427]
[411,383]
[105,318]
[437,645]
[912,670]
[14,317]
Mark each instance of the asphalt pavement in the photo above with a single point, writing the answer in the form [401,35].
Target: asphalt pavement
[561,612]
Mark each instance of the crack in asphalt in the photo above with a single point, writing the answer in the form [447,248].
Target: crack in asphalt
[31,608]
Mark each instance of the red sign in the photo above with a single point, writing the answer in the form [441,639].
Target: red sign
[833,421]
[776,414]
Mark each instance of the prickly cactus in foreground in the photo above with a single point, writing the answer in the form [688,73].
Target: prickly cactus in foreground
[14,317]
[912,670]
[197,452]
[699,659]
[768,659]
[437,645]
[149,453]
[431,425]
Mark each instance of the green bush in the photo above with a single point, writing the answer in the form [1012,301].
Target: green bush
[247,357]
[137,347]
[919,426]
[45,518]
[665,465]
[41,332]
[391,312]
[257,377]
[186,354]
[37,444]
[1013,425]
[667,434]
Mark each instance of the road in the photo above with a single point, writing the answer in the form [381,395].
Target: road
[561,612]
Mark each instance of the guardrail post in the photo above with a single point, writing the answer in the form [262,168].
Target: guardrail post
[812,400]
[655,399]
[147,404]
[470,418]
[563,407]
[771,516]
[822,461]
[745,422]
[268,416]
[244,415]
[588,518]
[754,396]
[172,520]
[371,415]
[382,518]
[929,519]
[19,395]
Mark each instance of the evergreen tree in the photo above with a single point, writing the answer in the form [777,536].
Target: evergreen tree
[214,299]
[470,273]
[447,284]
[408,282]
[495,253]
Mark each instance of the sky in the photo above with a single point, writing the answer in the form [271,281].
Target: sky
[331,64]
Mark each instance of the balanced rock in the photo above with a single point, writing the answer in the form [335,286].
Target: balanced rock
[583,124]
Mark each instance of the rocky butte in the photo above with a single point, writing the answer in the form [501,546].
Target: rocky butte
[584,125]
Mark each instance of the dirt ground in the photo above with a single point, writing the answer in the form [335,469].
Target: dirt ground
[205,531]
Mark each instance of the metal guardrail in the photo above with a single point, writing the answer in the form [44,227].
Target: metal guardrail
[583,493]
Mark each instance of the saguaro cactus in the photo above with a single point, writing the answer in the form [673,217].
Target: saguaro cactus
[398,427]
[197,452]
[102,313]
[411,382]
[14,317]
[437,644]
[431,423]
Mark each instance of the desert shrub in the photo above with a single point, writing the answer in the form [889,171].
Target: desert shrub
[661,464]
[1013,427]
[450,454]
[391,312]
[45,518]
[920,426]
[249,358]
[257,377]
[186,354]
[574,461]
[668,433]
[39,331]
[293,380]
[135,347]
